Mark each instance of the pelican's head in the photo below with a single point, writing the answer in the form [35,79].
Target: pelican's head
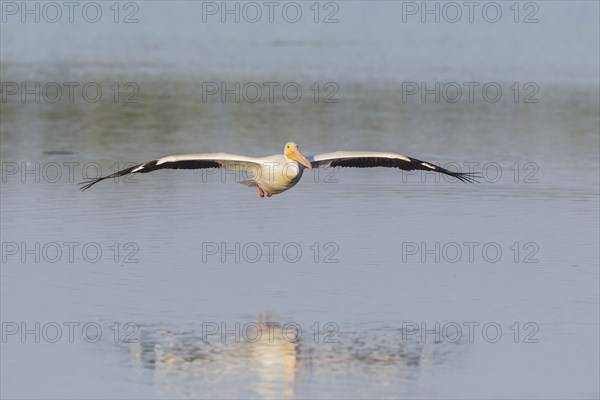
[292,152]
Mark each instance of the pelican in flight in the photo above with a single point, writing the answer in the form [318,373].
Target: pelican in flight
[277,173]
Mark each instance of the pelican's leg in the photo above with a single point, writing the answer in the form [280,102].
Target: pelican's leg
[269,194]
[261,192]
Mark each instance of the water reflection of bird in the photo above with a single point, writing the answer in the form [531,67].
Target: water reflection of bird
[265,359]
[275,357]
[275,365]
[277,173]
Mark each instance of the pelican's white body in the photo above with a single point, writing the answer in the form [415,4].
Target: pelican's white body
[278,173]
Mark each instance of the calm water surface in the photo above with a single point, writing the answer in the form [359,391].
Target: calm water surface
[365,263]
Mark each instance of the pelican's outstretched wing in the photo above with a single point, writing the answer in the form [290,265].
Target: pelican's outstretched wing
[364,159]
[184,161]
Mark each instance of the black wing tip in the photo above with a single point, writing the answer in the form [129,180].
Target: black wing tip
[89,183]
[467,177]
[416,164]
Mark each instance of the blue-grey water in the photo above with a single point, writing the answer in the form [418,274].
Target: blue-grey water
[355,283]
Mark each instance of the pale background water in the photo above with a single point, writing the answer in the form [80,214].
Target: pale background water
[377,224]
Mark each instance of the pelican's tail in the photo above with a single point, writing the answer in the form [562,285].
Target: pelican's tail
[249,182]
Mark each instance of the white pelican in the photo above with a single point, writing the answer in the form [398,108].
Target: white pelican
[277,173]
